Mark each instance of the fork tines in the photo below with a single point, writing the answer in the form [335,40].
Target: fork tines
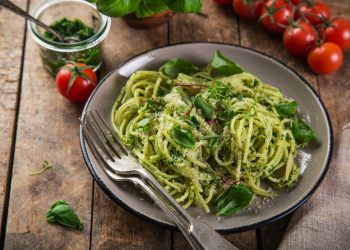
[100,137]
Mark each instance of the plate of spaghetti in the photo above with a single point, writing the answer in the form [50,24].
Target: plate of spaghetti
[236,137]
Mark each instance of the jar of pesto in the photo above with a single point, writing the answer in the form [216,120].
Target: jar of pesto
[75,18]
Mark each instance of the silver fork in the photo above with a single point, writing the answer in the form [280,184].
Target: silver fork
[112,152]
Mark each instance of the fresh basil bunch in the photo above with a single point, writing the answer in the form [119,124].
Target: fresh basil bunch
[146,8]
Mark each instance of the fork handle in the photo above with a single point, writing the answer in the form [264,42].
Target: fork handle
[169,211]
[201,234]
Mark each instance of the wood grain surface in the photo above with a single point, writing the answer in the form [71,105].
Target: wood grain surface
[12,33]
[113,227]
[47,129]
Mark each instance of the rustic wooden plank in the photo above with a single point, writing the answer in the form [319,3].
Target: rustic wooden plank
[113,227]
[11,36]
[220,25]
[47,130]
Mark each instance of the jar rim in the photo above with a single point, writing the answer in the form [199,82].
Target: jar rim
[68,47]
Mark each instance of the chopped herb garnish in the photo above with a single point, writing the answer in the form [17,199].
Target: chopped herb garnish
[44,166]
[144,124]
[226,115]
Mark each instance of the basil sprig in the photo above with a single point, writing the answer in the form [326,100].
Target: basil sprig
[175,66]
[61,213]
[183,137]
[233,199]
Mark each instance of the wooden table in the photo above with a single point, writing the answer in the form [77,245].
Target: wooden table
[37,124]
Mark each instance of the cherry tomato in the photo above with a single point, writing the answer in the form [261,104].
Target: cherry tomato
[299,38]
[296,2]
[275,15]
[314,11]
[84,83]
[338,32]
[325,59]
[222,2]
[249,9]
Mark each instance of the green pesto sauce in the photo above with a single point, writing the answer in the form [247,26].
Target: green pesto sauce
[70,29]
[77,31]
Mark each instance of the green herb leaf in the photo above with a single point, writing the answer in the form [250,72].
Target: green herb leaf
[61,213]
[175,66]
[44,166]
[189,6]
[302,131]
[117,8]
[287,109]
[199,103]
[183,137]
[224,66]
[150,7]
[233,199]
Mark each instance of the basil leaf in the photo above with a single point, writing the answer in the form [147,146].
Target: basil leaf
[61,213]
[175,66]
[183,137]
[287,109]
[302,131]
[189,6]
[224,66]
[117,8]
[233,199]
[150,7]
[199,103]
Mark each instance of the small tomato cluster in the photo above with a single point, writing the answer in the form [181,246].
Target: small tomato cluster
[307,29]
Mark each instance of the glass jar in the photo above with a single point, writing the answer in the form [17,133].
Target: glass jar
[55,54]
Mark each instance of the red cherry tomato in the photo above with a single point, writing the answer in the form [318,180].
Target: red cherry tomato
[325,59]
[299,38]
[275,15]
[249,9]
[295,2]
[222,2]
[338,32]
[83,84]
[314,11]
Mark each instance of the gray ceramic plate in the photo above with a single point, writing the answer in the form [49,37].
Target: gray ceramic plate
[313,160]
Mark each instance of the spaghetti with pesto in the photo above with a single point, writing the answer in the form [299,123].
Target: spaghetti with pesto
[200,131]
